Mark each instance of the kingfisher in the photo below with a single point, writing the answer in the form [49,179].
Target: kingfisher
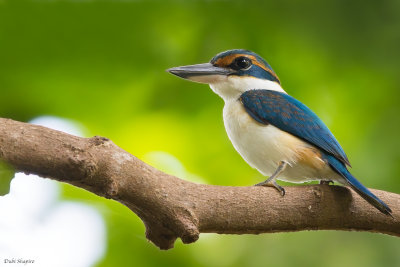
[274,132]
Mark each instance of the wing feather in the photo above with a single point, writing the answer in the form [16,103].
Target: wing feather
[290,115]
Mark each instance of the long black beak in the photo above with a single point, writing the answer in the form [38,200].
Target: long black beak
[206,69]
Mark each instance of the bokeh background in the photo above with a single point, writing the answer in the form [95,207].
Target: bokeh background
[100,65]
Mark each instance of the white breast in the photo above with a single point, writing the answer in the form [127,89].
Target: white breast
[264,146]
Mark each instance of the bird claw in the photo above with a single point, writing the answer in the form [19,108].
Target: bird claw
[271,180]
[327,182]
[281,190]
[273,184]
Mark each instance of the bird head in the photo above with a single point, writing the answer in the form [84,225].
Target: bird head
[231,73]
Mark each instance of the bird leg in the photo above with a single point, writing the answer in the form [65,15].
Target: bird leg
[328,182]
[271,181]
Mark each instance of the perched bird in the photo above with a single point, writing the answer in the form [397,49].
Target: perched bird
[273,132]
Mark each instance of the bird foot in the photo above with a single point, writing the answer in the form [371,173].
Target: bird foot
[273,184]
[327,182]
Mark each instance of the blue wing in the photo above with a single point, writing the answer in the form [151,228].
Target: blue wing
[364,192]
[292,116]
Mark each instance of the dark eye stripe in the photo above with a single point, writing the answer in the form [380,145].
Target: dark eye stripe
[229,59]
[241,63]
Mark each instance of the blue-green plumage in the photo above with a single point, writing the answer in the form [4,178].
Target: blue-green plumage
[256,71]
[239,52]
[282,138]
[292,116]
[364,192]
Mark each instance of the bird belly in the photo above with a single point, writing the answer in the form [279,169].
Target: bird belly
[263,147]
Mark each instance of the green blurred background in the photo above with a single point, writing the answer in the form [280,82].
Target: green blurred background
[102,64]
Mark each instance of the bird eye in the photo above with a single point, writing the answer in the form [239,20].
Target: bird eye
[243,63]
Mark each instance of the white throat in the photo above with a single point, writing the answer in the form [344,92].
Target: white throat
[232,87]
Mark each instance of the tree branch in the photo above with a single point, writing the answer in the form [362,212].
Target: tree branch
[171,207]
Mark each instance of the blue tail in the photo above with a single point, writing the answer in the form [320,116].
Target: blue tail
[339,167]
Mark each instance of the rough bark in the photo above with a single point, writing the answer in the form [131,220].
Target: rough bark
[171,207]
